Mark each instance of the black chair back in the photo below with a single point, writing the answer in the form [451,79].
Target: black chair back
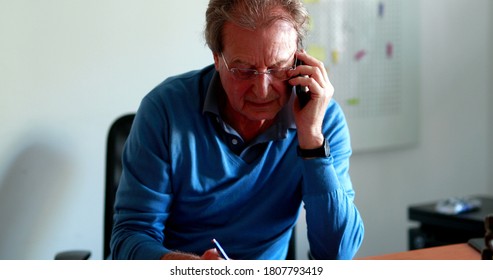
[117,136]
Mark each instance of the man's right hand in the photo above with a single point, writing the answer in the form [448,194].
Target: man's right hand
[211,254]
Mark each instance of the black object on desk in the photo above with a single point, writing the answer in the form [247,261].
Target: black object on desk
[437,229]
[487,253]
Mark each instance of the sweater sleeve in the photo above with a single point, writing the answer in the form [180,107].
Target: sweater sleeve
[335,227]
[143,198]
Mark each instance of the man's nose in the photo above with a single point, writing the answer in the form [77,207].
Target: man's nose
[262,84]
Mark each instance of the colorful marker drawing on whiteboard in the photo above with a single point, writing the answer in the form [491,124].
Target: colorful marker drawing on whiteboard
[359,55]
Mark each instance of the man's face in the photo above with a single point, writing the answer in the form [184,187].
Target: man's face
[273,47]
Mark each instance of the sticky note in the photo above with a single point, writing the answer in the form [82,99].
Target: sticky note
[335,56]
[353,101]
[359,55]
[317,51]
[381,9]
[311,1]
[389,50]
[311,23]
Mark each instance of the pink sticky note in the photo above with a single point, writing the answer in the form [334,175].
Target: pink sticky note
[390,50]
[359,55]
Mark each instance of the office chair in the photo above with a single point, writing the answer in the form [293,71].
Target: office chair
[117,136]
[116,140]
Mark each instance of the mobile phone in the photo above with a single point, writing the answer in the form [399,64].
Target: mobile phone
[301,91]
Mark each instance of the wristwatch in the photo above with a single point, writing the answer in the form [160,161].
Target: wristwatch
[323,151]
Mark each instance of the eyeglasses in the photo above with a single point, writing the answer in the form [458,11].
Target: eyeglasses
[281,74]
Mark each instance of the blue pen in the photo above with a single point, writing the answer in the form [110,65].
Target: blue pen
[220,249]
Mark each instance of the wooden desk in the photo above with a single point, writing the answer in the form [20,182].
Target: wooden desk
[460,251]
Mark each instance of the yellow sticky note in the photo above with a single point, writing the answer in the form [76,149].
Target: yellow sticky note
[311,24]
[353,101]
[317,51]
[311,1]
[335,56]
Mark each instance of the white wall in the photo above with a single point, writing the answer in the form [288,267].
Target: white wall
[490,142]
[69,68]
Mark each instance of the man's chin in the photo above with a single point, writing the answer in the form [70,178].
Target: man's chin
[261,116]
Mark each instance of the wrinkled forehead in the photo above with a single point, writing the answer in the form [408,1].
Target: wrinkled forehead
[271,45]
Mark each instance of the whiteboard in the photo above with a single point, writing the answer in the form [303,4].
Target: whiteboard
[370,50]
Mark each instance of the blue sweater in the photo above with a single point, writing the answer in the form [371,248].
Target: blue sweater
[184,184]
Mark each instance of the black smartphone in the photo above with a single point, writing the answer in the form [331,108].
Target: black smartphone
[301,91]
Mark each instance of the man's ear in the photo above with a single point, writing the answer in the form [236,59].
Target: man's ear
[216,60]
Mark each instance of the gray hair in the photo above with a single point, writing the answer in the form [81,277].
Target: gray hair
[252,14]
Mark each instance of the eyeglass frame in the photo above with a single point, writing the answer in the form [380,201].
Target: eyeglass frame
[255,72]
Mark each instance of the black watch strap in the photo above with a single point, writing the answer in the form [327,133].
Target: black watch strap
[323,151]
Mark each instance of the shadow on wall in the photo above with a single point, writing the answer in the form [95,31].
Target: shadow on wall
[31,196]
